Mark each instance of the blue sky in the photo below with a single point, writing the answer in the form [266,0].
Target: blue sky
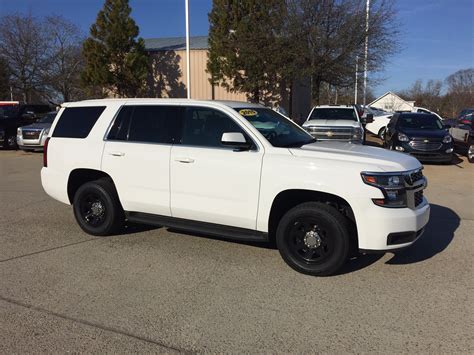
[437,36]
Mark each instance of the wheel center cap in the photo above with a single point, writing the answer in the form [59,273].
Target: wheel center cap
[97,208]
[312,240]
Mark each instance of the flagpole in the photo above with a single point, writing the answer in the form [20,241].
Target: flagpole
[188,72]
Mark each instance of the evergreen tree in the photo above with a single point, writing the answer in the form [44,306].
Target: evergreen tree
[115,59]
[246,46]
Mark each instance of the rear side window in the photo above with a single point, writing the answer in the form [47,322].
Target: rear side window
[148,124]
[77,122]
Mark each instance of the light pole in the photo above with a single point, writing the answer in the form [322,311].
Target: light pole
[366,48]
[188,72]
[356,77]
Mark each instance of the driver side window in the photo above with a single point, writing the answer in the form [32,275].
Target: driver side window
[203,127]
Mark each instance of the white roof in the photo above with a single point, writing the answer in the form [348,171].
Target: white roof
[232,104]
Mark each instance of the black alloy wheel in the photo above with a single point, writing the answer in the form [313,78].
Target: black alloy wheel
[97,208]
[314,238]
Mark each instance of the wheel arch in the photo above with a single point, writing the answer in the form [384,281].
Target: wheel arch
[78,177]
[287,199]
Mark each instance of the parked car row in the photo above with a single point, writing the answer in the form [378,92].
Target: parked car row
[421,133]
[13,116]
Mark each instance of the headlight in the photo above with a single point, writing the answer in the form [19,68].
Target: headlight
[392,187]
[447,139]
[46,131]
[357,134]
[18,131]
[402,137]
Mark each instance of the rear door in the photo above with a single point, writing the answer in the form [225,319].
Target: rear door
[210,182]
[137,155]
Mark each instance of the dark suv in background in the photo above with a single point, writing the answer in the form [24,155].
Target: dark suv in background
[14,116]
[419,134]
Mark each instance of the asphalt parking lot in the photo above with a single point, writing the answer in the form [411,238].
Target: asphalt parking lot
[156,290]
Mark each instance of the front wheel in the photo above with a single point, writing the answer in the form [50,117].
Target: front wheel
[470,154]
[313,238]
[97,208]
[381,133]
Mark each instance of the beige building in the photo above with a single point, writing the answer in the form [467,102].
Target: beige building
[168,77]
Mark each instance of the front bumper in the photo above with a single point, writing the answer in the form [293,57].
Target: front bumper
[382,229]
[439,155]
[36,144]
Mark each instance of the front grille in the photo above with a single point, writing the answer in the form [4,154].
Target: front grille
[30,134]
[425,146]
[417,175]
[418,197]
[331,133]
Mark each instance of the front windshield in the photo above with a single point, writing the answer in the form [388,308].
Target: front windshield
[333,114]
[424,121]
[278,130]
[49,118]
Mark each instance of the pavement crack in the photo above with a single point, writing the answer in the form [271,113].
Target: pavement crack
[90,324]
[46,250]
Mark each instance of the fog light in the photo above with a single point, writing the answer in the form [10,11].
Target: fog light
[400,149]
[450,150]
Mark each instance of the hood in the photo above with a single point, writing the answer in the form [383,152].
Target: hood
[331,123]
[425,133]
[38,126]
[370,158]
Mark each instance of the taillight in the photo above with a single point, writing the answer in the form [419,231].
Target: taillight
[45,152]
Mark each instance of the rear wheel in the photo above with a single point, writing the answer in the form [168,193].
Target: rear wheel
[97,208]
[470,154]
[313,238]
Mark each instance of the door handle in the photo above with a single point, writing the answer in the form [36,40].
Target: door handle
[184,160]
[117,154]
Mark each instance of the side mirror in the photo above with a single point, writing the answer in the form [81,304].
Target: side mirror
[369,118]
[235,140]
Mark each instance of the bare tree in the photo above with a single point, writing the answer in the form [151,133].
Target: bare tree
[65,60]
[23,46]
[331,34]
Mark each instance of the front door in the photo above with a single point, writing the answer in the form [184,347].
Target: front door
[210,182]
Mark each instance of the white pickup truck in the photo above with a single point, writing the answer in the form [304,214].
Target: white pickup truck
[232,169]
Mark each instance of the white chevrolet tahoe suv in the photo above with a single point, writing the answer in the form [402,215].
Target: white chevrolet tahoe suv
[337,123]
[235,170]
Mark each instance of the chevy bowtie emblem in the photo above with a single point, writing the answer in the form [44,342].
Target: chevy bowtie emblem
[329,134]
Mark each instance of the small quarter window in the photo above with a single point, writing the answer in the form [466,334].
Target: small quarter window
[77,122]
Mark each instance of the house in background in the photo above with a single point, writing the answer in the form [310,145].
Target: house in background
[391,102]
[168,76]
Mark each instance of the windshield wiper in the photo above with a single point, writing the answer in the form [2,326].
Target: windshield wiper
[298,144]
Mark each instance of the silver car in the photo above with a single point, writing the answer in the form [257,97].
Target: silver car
[33,136]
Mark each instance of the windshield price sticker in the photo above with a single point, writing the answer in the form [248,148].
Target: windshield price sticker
[247,112]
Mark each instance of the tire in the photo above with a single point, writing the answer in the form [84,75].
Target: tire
[381,133]
[313,238]
[97,208]
[470,154]
[9,142]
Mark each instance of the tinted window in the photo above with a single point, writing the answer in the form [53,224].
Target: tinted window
[77,122]
[333,114]
[49,118]
[154,124]
[204,127]
[119,129]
